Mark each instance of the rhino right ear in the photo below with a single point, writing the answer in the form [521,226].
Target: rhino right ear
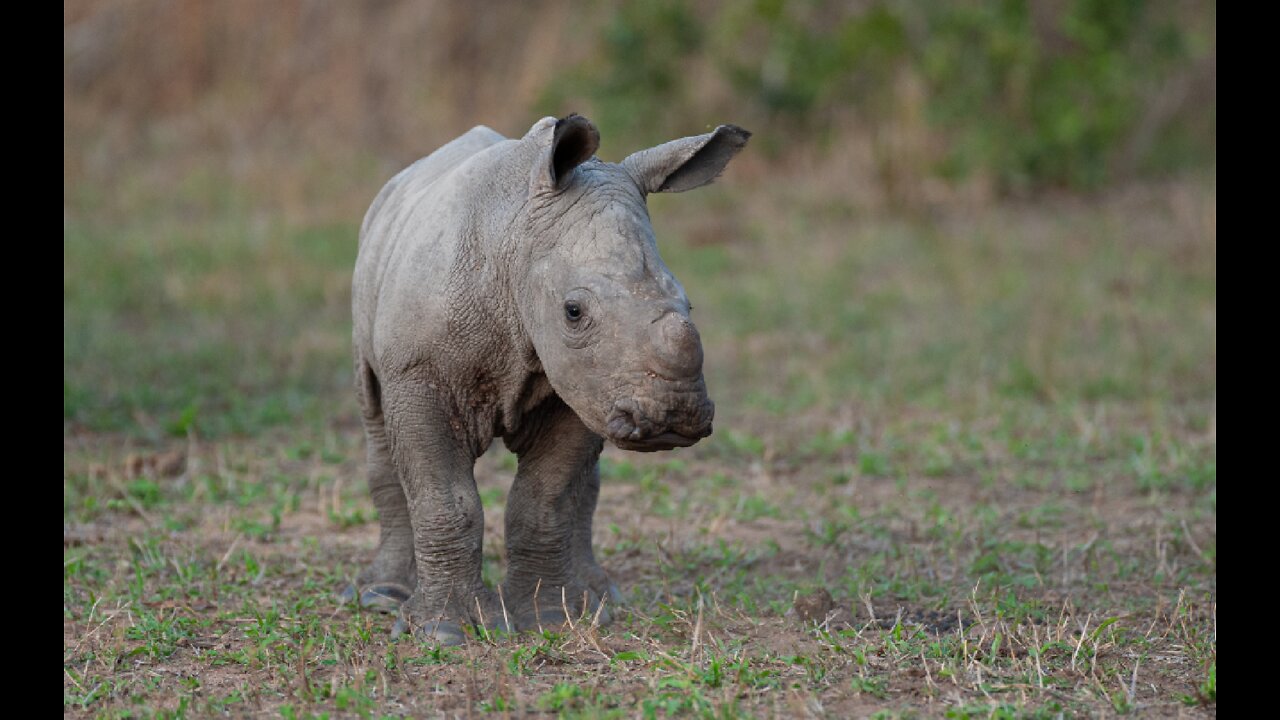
[573,142]
[686,163]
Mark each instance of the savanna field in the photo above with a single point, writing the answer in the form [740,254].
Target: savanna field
[964,462]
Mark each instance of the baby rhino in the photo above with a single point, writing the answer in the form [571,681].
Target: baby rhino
[513,288]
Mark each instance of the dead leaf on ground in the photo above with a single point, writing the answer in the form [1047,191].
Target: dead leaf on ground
[156,465]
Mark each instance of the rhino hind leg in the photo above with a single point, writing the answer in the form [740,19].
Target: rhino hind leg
[551,570]
[390,579]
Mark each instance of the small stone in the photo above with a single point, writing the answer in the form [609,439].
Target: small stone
[813,607]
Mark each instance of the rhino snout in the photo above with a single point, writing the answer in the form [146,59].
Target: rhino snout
[676,347]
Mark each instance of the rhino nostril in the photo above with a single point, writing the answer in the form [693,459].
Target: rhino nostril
[620,425]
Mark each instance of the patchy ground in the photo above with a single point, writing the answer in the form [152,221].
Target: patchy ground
[963,466]
[212,590]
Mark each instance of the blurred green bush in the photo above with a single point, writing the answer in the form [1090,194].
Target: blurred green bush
[904,101]
[1033,94]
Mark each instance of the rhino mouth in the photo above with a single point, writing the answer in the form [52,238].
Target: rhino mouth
[631,429]
[665,441]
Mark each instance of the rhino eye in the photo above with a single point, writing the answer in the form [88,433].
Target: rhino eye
[573,311]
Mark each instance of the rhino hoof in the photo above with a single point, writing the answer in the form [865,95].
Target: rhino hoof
[600,608]
[606,617]
[554,619]
[443,633]
[380,597]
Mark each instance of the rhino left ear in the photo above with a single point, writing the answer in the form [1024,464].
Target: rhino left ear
[686,163]
[573,142]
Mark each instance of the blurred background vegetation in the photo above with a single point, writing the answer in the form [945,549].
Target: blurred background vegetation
[981,197]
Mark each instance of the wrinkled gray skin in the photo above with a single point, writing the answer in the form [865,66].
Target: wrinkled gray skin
[513,288]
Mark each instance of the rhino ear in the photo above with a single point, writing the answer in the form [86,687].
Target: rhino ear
[686,163]
[573,142]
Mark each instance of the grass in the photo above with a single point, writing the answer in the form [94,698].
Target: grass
[989,434]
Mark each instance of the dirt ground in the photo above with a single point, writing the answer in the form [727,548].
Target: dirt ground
[800,586]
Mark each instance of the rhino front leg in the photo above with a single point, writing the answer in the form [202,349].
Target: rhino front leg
[435,467]
[550,567]
[584,556]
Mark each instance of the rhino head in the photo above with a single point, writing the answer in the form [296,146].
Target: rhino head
[609,322]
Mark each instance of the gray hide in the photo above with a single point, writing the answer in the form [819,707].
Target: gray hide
[513,288]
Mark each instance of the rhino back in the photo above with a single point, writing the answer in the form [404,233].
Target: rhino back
[417,236]
[425,171]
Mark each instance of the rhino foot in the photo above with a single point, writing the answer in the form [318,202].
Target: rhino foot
[598,580]
[447,628]
[551,610]
[383,597]
[444,633]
